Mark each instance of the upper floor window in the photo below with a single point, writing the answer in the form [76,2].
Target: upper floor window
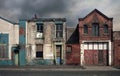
[105,28]
[39,27]
[95,29]
[85,29]
[59,30]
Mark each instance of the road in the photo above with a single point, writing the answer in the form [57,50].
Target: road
[57,73]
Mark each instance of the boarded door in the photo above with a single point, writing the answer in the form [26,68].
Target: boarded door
[58,54]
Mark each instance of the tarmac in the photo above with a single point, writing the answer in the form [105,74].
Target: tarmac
[60,68]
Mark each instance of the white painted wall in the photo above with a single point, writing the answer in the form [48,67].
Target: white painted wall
[12,30]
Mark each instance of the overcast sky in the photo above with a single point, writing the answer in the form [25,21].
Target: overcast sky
[14,10]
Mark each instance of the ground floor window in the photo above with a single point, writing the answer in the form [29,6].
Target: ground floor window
[4,45]
[39,51]
[3,51]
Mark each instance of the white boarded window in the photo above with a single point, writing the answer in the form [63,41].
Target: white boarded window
[100,46]
[95,46]
[90,46]
[105,46]
[86,46]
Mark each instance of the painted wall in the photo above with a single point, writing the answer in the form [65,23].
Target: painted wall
[12,30]
[48,41]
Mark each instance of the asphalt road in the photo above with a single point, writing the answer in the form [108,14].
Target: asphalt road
[57,73]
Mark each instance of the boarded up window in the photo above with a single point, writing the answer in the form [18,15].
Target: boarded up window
[4,45]
[69,49]
[39,51]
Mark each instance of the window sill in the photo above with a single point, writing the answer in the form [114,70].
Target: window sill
[38,58]
[4,59]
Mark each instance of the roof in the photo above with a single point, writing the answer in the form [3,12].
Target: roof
[48,19]
[72,35]
[7,20]
[95,10]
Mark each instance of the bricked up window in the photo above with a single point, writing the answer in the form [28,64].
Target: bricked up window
[69,49]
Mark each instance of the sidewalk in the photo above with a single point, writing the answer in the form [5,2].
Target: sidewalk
[59,68]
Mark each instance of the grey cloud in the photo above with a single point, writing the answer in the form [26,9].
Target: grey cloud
[16,9]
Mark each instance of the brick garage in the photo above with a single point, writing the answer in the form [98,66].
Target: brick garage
[95,35]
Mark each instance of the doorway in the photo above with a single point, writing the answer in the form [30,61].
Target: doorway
[58,54]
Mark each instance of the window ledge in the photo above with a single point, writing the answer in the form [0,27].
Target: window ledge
[4,59]
[38,58]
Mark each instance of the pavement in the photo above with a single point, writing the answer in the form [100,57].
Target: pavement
[60,68]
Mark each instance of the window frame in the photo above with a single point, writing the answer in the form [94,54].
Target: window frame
[59,30]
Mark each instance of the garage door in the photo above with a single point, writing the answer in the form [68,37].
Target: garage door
[95,53]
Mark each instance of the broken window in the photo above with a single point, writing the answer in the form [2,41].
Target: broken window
[95,29]
[59,30]
[39,51]
[85,29]
[39,27]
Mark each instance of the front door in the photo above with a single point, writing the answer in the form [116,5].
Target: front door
[58,54]
[16,59]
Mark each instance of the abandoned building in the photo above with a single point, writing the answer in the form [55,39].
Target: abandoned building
[91,41]
[9,37]
[48,41]
[42,41]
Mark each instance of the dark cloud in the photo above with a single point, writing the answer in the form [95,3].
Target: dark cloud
[70,9]
[43,7]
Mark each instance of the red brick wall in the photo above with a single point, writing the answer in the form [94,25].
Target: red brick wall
[117,52]
[73,57]
[101,21]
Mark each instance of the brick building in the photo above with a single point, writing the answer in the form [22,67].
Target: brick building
[93,39]
[116,46]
